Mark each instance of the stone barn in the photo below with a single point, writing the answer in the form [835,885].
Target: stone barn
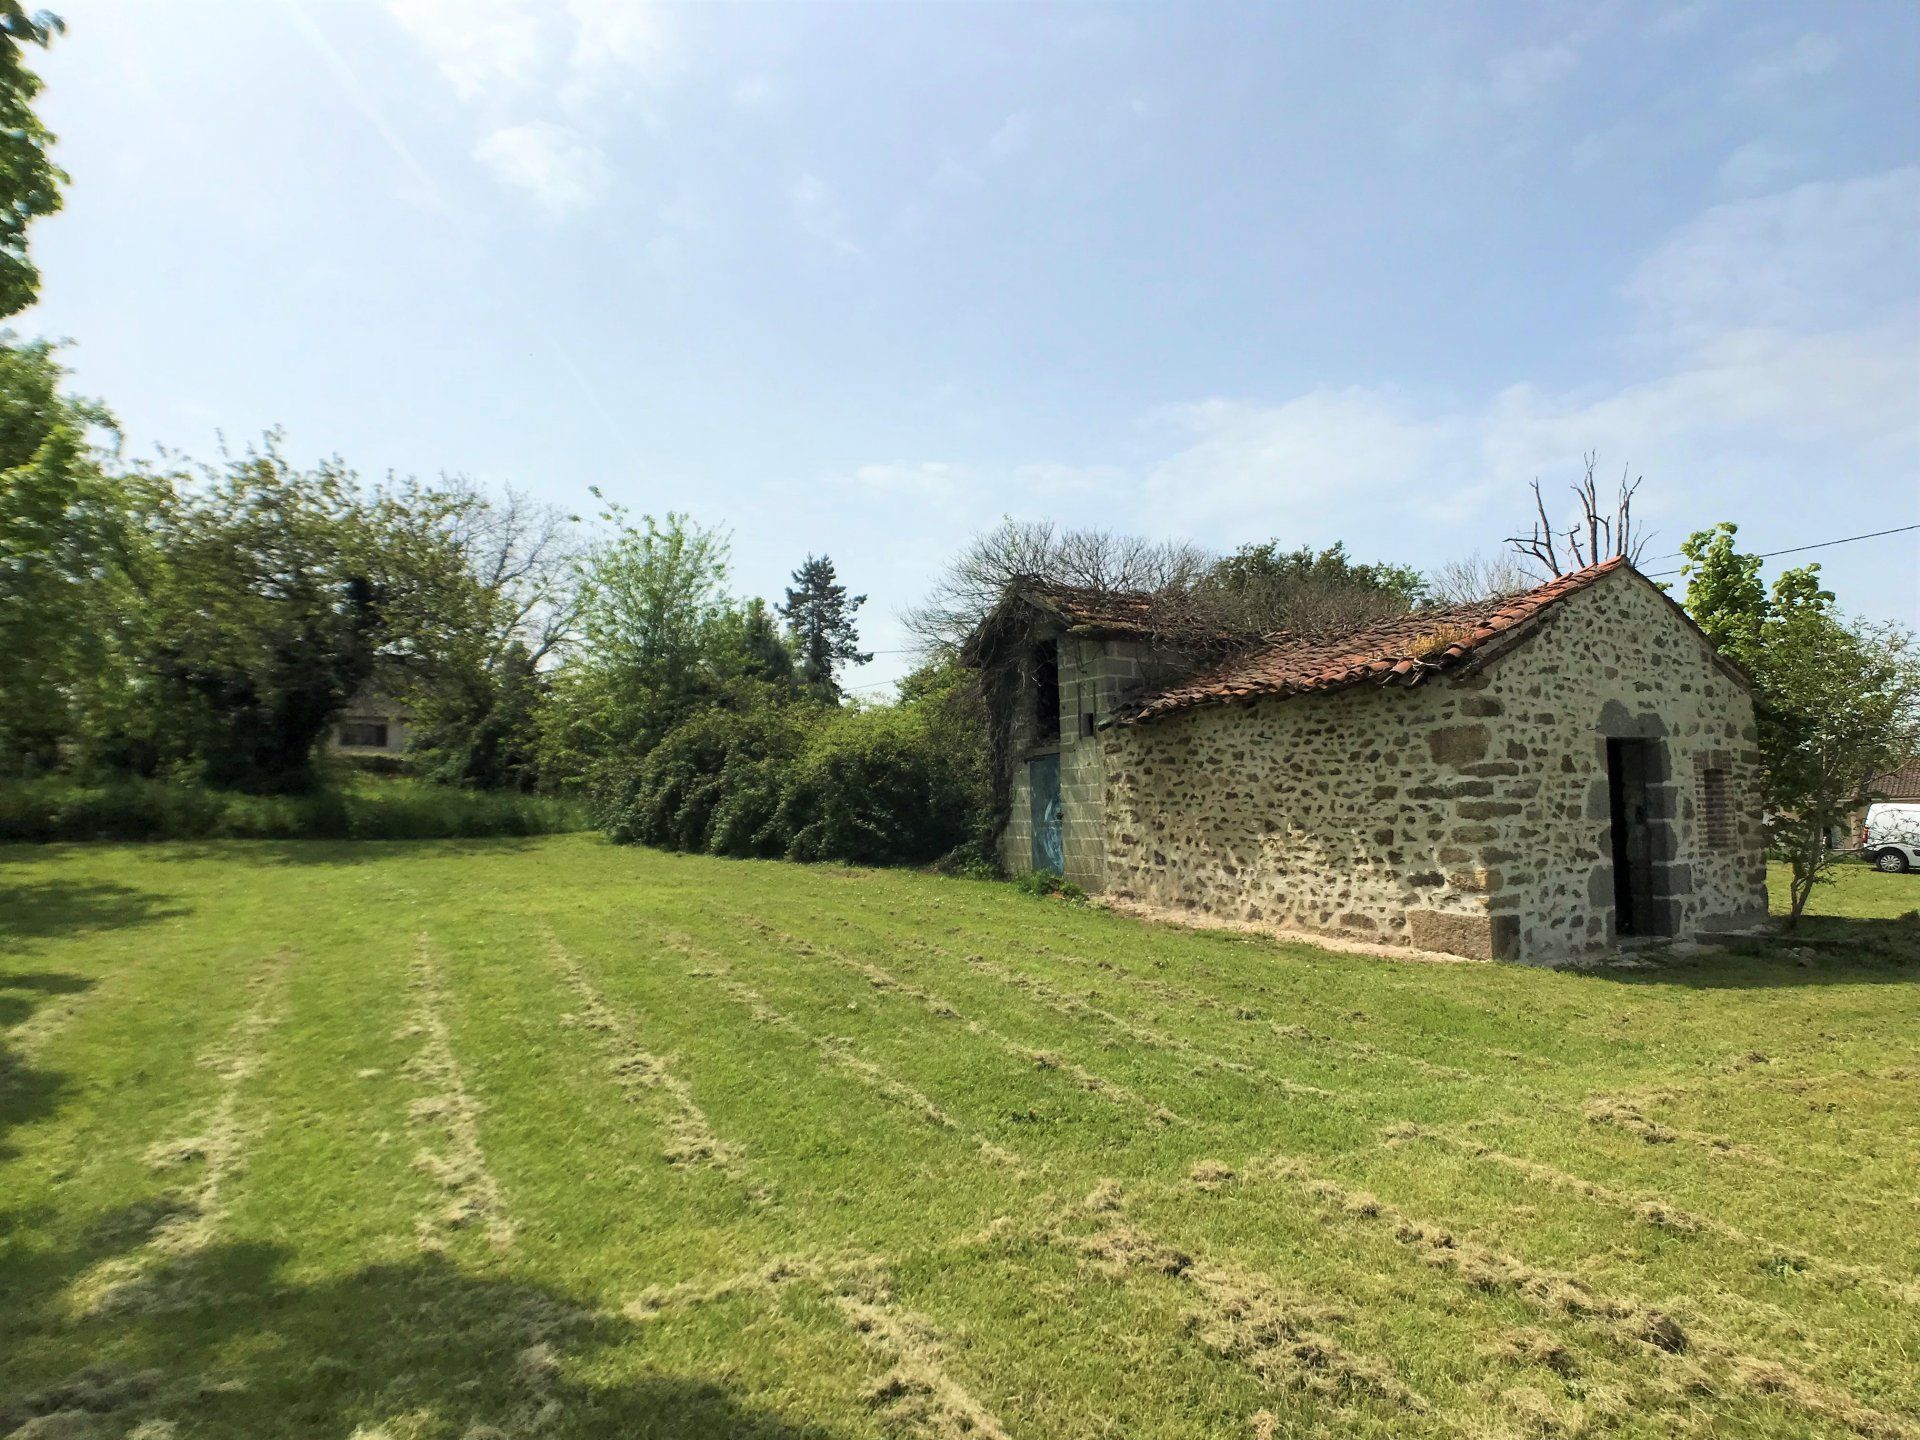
[1533,778]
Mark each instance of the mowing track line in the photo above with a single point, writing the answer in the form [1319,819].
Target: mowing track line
[692,1142]
[448,1119]
[1624,1317]
[159,1277]
[933,1004]
[836,1051]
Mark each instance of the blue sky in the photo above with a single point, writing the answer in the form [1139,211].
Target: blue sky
[861,279]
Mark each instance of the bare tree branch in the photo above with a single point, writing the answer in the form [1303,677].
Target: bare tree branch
[1593,536]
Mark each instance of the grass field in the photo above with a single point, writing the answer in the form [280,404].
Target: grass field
[544,1137]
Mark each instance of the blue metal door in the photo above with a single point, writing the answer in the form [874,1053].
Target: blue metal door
[1043,779]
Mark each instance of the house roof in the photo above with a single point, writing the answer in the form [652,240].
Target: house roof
[1900,784]
[1401,651]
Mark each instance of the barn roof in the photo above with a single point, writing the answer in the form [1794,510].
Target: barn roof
[1084,610]
[1401,651]
[1107,612]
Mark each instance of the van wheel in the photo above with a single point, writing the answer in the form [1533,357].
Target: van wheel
[1891,862]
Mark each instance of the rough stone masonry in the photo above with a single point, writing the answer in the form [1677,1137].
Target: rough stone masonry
[1469,814]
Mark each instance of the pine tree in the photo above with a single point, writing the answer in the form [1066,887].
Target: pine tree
[819,615]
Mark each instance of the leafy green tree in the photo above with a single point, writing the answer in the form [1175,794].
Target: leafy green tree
[658,636]
[1725,594]
[762,654]
[63,530]
[1265,587]
[270,595]
[820,616]
[29,180]
[1838,701]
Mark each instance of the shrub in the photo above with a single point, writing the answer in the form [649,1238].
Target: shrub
[59,809]
[875,787]
[974,860]
[759,772]
[713,783]
[1045,885]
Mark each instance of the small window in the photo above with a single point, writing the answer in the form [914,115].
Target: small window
[1046,694]
[1716,810]
[364,734]
[1086,726]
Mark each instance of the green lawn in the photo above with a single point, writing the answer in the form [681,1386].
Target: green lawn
[544,1137]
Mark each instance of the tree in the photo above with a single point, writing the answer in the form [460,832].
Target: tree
[974,581]
[1595,536]
[476,695]
[268,596]
[658,634]
[1725,594]
[1262,588]
[819,615]
[1478,577]
[1837,702]
[765,654]
[29,180]
[63,527]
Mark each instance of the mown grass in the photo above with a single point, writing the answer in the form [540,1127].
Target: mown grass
[521,1137]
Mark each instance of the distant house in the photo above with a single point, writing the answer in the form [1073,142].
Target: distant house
[1534,778]
[1899,786]
[372,724]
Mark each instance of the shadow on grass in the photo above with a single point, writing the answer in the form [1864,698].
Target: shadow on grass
[49,909]
[272,853]
[28,1093]
[1824,950]
[226,1344]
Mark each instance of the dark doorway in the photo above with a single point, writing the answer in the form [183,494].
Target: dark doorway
[1632,767]
[1046,694]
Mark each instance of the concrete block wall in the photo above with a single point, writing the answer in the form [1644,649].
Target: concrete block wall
[1096,675]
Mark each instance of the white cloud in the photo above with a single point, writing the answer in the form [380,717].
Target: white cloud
[1512,82]
[1523,77]
[1777,350]
[1014,135]
[754,92]
[1825,254]
[1808,56]
[817,211]
[1761,165]
[1750,409]
[560,170]
[541,75]
[1252,467]
[482,47]
[950,489]
[615,43]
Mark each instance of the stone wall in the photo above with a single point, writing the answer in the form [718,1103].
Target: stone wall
[1469,814]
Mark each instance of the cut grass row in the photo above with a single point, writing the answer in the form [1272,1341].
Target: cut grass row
[912,1275]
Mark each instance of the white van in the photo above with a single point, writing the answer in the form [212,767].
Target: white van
[1890,839]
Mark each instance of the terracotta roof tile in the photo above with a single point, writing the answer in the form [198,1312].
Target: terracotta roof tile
[1403,651]
[1900,784]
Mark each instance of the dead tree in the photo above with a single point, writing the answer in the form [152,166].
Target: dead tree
[1593,537]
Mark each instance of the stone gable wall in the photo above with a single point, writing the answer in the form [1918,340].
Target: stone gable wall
[1468,815]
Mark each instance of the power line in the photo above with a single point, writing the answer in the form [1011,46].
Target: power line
[1798,549]
[1653,575]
